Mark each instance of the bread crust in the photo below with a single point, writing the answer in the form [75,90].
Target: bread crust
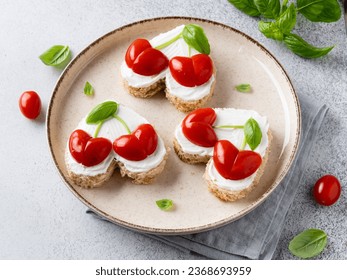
[89,182]
[145,92]
[189,158]
[179,103]
[188,106]
[229,195]
[144,178]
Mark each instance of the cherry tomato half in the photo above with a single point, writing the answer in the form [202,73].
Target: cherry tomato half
[30,104]
[327,190]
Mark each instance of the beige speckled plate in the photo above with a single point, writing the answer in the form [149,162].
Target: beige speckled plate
[239,59]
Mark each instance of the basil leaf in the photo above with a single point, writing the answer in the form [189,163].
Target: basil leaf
[269,8]
[88,89]
[319,10]
[300,47]
[243,88]
[164,204]
[252,133]
[195,37]
[102,112]
[246,6]
[287,20]
[308,244]
[270,30]
[56,56]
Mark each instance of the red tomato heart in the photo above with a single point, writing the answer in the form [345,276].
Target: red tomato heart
[137,47]
[145,60]
[205,115]
[129,147]
[138,145]
[233,164]
[197,127]
[148,137]
[87,150]
[191,71]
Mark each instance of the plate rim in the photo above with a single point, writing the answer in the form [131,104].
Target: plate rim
[163,231]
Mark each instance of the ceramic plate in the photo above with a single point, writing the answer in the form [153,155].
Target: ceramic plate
[238,59]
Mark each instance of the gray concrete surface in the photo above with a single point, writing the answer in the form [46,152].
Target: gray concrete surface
[41,219]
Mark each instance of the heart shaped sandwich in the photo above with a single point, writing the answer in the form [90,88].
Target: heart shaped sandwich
[233,142]
[177,61]
[111,136]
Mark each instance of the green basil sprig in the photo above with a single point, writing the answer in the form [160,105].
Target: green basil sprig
[252,133]
[308,244]
[57,56]
[320,10]
[195,37]
[300,47]
[284,20]
[102,112]
[164,204]
[88,89]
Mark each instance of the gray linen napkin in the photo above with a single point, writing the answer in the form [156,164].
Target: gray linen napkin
[255,236]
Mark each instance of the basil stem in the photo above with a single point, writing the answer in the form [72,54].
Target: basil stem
[123,123]
[97,130]
[164,45]
[244,143]
[229,126]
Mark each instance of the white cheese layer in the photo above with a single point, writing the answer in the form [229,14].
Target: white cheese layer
[112,129]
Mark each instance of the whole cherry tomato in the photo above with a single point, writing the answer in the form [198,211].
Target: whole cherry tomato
[30,104]
[327,190]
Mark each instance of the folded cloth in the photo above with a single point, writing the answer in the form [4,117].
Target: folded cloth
[255,236]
